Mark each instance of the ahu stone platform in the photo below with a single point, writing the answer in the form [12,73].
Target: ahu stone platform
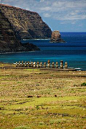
[46,65]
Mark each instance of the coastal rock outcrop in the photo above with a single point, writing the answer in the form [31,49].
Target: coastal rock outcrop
[56,37]
[8,40]
[26,24]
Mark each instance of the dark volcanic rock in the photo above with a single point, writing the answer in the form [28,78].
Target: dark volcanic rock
[8,40]
[26,24]
[29,47]
[56,37]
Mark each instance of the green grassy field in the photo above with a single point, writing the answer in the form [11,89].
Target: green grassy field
[42,99]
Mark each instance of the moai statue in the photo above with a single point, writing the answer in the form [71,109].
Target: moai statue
[44,64]
[61,64]
[28,64]
[19,64]
[48,64]
[40,64]
[22,64]
[37,64]
[25,64]
[16,64]
[48,61]
[31,64]
[53,65]
[66,65]
[56,64]
[34,64]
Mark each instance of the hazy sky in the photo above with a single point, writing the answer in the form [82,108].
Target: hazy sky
[62,15]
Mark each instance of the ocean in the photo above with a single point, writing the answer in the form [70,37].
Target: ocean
[73,51]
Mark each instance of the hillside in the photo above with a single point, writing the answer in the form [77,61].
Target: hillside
[8,40]
[26,24]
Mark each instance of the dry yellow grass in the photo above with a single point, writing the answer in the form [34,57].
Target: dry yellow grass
[62,102]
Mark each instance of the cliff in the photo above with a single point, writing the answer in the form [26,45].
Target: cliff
[8,40]
[56,37]
[26,24]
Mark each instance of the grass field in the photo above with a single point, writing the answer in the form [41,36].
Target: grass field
[42,99]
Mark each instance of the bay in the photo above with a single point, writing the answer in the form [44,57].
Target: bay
[73,51]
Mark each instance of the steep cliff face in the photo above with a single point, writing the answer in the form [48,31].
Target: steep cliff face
[8,40]
[25,23]
[56,37]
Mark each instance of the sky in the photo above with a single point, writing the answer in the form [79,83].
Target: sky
[62,15]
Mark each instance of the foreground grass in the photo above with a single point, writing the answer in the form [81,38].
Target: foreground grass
[37,99]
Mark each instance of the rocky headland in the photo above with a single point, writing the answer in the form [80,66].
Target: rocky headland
[26,24]
[8,39]
[56,37]
[17,24]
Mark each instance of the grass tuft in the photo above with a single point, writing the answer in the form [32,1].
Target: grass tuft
[83,84]
[22,127]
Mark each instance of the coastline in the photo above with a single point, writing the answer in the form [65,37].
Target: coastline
[18,52]
[13,66]
[74,51]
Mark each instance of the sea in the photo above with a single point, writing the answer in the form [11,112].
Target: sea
[72,51]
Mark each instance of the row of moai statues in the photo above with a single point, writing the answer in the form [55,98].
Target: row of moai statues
[42,65]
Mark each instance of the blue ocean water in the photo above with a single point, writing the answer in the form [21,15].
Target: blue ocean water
[73,51]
